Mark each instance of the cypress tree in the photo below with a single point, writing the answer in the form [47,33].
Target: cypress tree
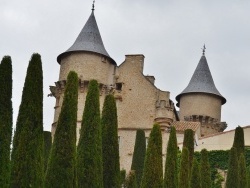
[248,177]
[239,141]
[6,120]
[206,181]
[110,147]
[188,143]
[27,155]
[139,155]
[171,175]
[122,177]
[47,146]
[131,180]
[183,181]
[152,172]
[233,173]
[89,150]
[242,172]
[195,179]
[62,162]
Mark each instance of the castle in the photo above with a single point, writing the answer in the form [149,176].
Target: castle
[139,102]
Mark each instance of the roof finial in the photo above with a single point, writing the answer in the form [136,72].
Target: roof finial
[93,5]
[203,50]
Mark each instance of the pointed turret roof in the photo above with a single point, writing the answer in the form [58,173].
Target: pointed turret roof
[89,40]
[201,82]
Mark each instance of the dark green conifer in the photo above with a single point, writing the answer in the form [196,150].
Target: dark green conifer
[206,181]
[122,177]
[239,141]
[6,119]
[248,177]
[27,154]
[131,180]
[242,172]
[171,174]
[89,150]
[152,172]
[233,172]
[183,181]
[110,147]
[47,147]
[139,155]
[188,143]
[62,161]
[195,179]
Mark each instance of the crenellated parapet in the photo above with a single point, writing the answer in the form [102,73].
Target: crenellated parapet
[209,125]
[59,88]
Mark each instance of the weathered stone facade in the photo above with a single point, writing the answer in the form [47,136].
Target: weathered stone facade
[140,103]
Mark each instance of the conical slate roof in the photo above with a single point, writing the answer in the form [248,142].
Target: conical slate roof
[201,82]
[89,40]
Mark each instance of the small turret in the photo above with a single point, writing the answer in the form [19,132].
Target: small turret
[201,99]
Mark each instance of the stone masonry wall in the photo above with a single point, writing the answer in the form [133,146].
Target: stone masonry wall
[200,104]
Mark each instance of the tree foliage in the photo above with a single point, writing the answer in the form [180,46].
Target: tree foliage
[239,141]
[242,172]
[6,119]
[139,155]
[110,147]
[122,177]
[62,161]
[195,179]
[27,156]
[188,143]
[47,147]
[153,172]
[130,181]
[183,179]
[205,170]
[171,174]
[89,150]
[233,172]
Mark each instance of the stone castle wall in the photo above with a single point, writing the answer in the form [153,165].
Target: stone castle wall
[200,104]
[88,66]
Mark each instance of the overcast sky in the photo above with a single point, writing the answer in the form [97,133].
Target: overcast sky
[170,34]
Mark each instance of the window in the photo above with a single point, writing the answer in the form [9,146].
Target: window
[118,86]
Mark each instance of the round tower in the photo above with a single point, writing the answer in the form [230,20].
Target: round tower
[90,60]
[201,101]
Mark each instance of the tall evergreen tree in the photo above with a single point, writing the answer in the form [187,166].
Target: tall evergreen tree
[6,120]
[195,179]
[110,147]
[152,172]
[233,172]
[27,155]
[62,162]
[239,141]
[183,181]
[131,180]
[171,174]
[206,181]
[89,150]
[47,147]
[139,155]
[122,177]
[242,172]
[188,143]
[248,177]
